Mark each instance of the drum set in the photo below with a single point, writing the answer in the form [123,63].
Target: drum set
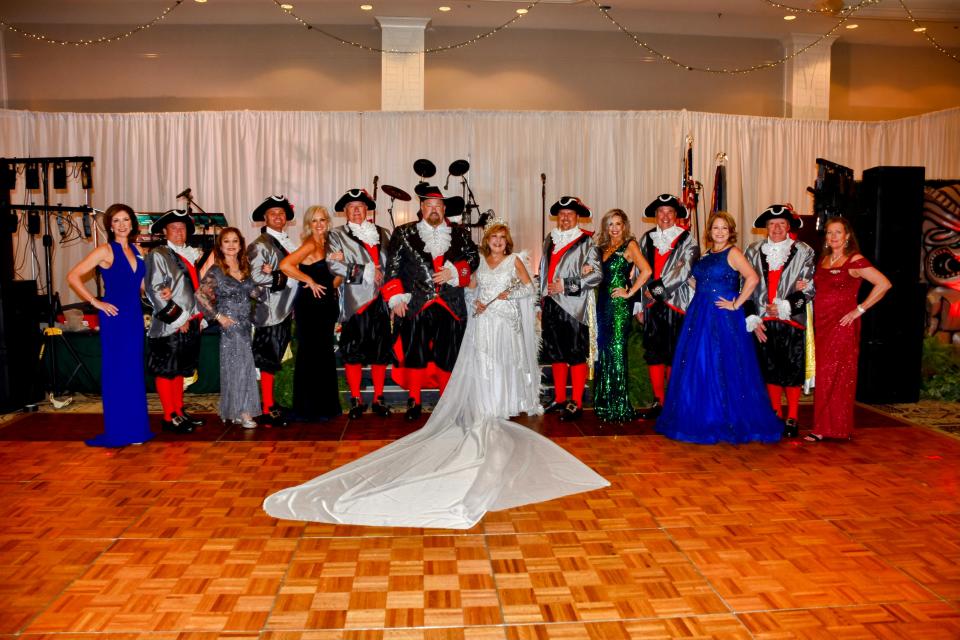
[469,216]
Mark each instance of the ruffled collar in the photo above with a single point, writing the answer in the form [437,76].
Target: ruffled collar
[562,238]
[188,253]
[777,252]
[436,240]
[283,239]
[663,238]
[366,231]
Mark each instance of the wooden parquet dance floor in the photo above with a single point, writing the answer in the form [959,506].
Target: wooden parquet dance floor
[167,541]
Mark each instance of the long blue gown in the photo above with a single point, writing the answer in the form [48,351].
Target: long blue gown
[125,419]
[716,393]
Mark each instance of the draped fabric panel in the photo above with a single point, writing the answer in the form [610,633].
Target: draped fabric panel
[232,160]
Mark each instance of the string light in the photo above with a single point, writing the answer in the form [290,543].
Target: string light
[919,28]
[757,67]
[86,43]
[359,45]
[850,9]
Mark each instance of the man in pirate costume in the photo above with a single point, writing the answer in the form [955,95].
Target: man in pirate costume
[429,263]
[271,316]
[672,251]
[364,317]
[173,341]
[777,310]
[569,272]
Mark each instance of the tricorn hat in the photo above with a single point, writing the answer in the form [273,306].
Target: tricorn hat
[355,195]
[174,215]
[453,204]
[269,203]
[778,212]
[573,203]
[665,200]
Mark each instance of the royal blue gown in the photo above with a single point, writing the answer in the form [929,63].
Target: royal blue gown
[716,393]
[124,393]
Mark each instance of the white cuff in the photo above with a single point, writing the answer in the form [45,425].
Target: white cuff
[784,310]
[637,308]
[454,281]
[397,299]
[369,271]
[753,322]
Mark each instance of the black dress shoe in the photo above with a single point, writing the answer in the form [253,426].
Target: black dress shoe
[553,407]
[356,408]
[278,417]
[791,429]
[193,420]
[652,412]
[571,412]
[380,407]
[414,410]
[176,424]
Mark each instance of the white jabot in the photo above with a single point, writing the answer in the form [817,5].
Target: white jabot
[776,252]
[188,253]
[663,238]
[366,231]
[563,238]
[435,239]
[285,241]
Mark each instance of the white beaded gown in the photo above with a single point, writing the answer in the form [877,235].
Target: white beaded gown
[468,458]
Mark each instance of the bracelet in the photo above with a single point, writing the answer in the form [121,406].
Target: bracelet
[861,309]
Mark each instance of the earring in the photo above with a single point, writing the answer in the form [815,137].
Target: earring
[846,243]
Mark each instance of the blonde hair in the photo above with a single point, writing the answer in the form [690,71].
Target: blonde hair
[603,236]
[489,231]
[731,225]
[308,217]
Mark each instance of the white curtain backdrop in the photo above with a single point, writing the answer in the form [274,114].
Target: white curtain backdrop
[232,160]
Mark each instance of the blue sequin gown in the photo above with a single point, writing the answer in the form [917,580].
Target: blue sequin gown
[125,419]
[716,393]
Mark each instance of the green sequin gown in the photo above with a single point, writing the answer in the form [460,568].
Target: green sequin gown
[610,399]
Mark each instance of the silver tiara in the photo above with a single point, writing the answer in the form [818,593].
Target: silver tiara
[492,222]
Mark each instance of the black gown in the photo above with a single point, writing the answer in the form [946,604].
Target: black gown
[316,394]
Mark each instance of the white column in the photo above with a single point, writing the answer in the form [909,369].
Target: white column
[401,74]
[806,79]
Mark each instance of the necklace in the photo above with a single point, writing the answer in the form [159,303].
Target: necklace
[835,260]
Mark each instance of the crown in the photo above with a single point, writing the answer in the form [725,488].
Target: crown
[494,221]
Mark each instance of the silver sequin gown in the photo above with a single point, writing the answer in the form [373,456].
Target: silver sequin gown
[223,294]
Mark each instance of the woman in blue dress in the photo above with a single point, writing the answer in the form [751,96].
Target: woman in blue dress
[125,419]
[716,393]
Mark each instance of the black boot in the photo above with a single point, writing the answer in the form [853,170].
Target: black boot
[356,408]
[176,424]
[379,407]
[414,410]
[193,420]
[553,407]
[791,429]
[571,412]
[278,417]
[652,412]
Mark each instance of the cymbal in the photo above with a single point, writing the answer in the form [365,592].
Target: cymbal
[395,192]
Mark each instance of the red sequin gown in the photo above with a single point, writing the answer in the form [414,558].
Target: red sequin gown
[837,348]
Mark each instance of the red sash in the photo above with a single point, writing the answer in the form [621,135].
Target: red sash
[555,260]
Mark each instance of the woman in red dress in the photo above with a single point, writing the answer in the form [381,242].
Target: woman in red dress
[837,328]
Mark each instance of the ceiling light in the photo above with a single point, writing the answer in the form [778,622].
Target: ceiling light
[920,29]
[444,9]
[521,11]
[150,55]
[852,26]
[366,7]
[286,6]
[200,1]
[790,17]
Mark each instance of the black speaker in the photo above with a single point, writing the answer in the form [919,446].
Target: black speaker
[889,229]
[20,339]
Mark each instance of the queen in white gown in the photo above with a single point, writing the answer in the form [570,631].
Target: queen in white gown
[468,458]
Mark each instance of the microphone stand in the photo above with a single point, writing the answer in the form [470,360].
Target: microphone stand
[543,208]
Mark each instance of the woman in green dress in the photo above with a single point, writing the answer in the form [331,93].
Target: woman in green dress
[622,261]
